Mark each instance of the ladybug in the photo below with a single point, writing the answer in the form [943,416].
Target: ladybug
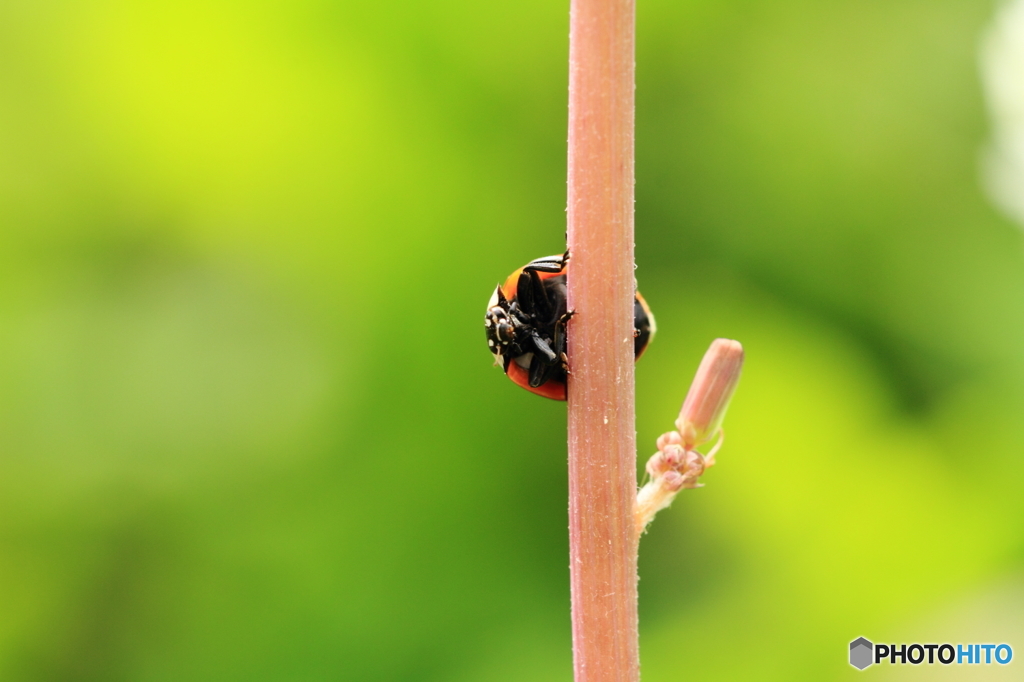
[526,326]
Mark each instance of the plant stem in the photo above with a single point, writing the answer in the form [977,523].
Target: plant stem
[602,436]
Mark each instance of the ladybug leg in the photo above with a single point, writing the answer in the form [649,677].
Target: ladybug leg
[544,361]
[539,371]
[560,339]
[533,296]
[531,292]
[543,351]
[548,263]
[526,290]
[558,343]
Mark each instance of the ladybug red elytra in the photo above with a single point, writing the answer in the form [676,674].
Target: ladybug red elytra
[526,326]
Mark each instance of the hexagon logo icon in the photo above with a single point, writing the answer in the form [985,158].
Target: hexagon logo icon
[861,653]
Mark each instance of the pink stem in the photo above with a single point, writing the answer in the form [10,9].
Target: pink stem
[602,437]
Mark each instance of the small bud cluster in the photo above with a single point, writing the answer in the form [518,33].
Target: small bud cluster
[677,464]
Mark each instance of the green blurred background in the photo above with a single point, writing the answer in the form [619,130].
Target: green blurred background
[249,429]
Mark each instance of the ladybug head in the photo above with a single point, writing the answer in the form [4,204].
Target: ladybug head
[498,323]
